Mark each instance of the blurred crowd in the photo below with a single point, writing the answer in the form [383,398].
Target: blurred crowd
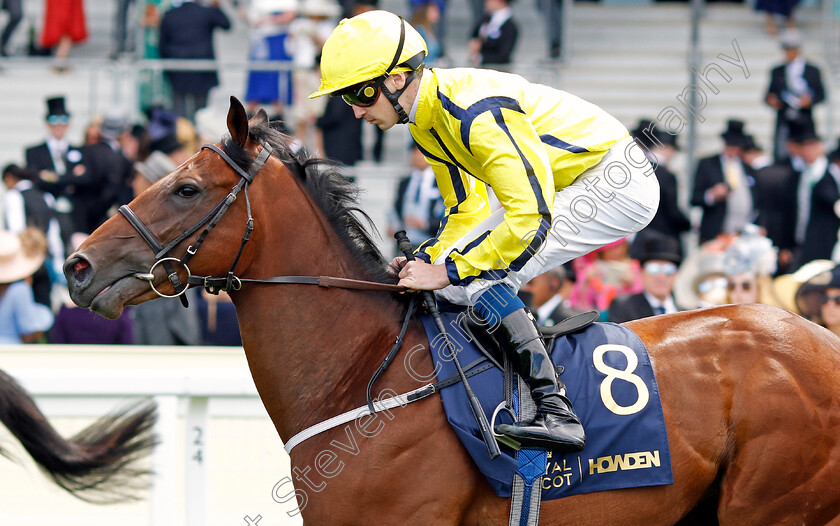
[63,192]
[766,222]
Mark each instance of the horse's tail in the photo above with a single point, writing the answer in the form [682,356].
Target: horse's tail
[98,463]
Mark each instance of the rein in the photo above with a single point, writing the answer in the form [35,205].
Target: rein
[229,282]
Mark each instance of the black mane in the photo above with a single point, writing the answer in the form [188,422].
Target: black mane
[335,195]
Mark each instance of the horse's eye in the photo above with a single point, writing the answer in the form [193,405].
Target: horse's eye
[187,191]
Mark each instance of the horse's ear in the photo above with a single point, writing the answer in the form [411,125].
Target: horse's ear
[237,122]
[260,118]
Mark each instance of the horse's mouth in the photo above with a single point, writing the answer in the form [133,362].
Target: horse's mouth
[111,300]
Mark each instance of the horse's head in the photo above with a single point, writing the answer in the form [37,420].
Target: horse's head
[156,235]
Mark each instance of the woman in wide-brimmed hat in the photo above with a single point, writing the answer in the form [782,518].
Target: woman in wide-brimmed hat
[701,281]
[21,318]
[819,299]
[787,285]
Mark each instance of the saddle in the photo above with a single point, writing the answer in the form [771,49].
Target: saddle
[611,384]
[490,348]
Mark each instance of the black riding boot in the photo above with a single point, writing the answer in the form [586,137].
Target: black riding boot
[555,426]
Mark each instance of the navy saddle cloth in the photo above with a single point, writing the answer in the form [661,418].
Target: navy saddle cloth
[609,380]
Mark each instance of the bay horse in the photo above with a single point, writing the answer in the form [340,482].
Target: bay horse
[750,394]
[98,464]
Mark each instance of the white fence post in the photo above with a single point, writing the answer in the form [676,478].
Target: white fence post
[164,460]
[196,461]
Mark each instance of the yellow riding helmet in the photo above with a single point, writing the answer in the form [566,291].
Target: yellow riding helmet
[363,48]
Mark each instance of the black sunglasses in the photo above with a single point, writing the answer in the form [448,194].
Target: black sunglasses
[364,94]
[825,298]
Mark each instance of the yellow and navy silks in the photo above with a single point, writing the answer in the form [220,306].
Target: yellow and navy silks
[526,141]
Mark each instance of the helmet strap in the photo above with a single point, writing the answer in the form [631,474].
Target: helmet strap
[415,63]
[393,97]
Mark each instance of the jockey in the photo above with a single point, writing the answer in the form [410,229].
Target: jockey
[569,178]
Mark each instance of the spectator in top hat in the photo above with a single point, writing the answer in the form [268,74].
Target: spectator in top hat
[660,261]
[58,167]
[723,186]
[659,147]
[795,87]
[776,189]
[549,295]
[51,155]
[817,222]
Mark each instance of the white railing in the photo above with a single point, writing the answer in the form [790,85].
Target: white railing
[202,394]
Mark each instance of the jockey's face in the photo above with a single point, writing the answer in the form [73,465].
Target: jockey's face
[381,113]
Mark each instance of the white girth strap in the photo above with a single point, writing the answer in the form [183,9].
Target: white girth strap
[379,405]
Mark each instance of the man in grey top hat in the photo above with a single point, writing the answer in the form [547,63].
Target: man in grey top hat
[723,186]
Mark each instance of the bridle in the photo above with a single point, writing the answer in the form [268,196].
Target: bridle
[229,282]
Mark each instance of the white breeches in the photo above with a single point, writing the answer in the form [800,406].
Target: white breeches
[613,199]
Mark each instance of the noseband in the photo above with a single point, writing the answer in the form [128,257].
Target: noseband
[229,282]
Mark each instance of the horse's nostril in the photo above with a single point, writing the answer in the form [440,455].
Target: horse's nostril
[80,270]
[80,266]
